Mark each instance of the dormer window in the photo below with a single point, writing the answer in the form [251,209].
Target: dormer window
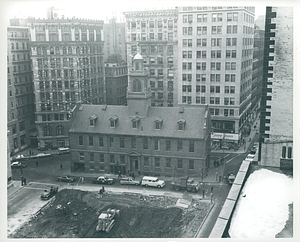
[181,124]
[113,121]
[158,123]
[135,122]
[93,119]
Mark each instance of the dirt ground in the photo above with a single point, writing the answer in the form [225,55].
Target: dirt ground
[140,217]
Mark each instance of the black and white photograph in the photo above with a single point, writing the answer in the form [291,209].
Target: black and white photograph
[169,120]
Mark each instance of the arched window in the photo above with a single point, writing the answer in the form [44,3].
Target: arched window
[289,152]
[51,50]
[38,50]
[137,86]
[77,50]
[70,50]
[47,131]
[83,50]
[64,50]
[57,50]
[59,130]
[44,51]
[137,66]
[283,152]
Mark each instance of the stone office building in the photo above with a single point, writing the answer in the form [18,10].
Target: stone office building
[138,137]
[20,91]
[68,67]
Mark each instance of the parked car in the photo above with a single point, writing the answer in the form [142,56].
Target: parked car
[231,177]
[250,157]
[129,181]
[17,164]
[40,155]
[66,179]
[152,181]
[62,151]
[103,180]
[48,194]
[19,158]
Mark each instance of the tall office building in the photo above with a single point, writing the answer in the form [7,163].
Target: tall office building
[114,39]
[154,33]
[276,120]
[215,50]
[20,97]
[68,67]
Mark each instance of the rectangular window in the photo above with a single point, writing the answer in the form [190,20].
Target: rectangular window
[101,143]
[168,145]
[112,159]
[190,30]
[80,142]
[234,29]
[213,29]
[228,29]
[234,40]
[145,143]
[133,143]
[225,112]
[146,161]
[156,144]
[191,146]
[203,101]
[122,159]
[191,165]
[122,143]
[179,145]
[232,89]
[232,101]
[111,141]
[157,162]
[231,112]
[168,162]
[233,65]
[91,141]
[81,156]
[179,163]
[226,100]
[232,77]
[91,157]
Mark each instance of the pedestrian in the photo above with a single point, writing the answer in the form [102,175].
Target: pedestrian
[133,177]
[82,179]
[22,180]
[212,189]
[203,192]
[217,176]
[37,164]
[119,174]
[25,181]
[61,166]
[211,197]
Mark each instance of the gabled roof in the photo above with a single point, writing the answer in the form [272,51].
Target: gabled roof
[158,119]
[194,118]
[94,116]
[138,57]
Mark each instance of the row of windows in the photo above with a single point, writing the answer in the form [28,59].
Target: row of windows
[151,36]
[146,161]
[19,57]
[14,46]
[215,17]
[213,89]
[151,24]
[226,112]
[202,54]
[22,141]
[213,77]
[19,34]
[69,50]
[20,78]
[48,130]
[25,112]
[152,49]
[158,144]
[202,30]
[21,68]
[213,66]
[56,107]
[289,152]
[212,100]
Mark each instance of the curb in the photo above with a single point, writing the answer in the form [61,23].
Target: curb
[200,227]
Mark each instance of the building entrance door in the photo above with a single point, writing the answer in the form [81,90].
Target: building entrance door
[134,163]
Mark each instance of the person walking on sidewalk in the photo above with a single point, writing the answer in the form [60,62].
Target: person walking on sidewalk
[37,164]
[217,176]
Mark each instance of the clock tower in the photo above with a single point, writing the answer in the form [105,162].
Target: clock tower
[138,93]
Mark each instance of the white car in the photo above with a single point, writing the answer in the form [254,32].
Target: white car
[250,157]
[40,155]
[17,164]
[152,182]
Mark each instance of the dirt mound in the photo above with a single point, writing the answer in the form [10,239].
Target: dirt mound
[74,214]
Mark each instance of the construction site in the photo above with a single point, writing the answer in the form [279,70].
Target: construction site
[82,214]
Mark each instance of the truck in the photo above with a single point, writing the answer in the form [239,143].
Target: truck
[106,220]
[186,183]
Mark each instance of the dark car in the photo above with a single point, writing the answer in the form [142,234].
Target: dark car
[48,194]
[103,180]
[66,179]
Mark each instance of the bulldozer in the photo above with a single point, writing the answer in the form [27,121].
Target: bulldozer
[106,220]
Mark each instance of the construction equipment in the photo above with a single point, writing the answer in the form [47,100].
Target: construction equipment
[186,183]
[106,220]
